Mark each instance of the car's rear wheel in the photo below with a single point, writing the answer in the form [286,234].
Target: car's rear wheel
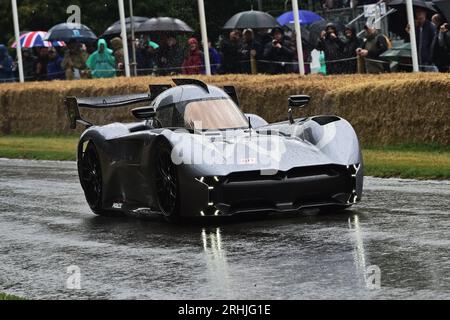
[91,179]
[166,182]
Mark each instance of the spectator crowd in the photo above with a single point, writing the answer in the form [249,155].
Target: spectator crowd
[240,51]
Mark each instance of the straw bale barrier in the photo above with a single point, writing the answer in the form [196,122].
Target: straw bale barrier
[384,109]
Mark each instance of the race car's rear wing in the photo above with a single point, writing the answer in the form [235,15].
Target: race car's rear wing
[73,105]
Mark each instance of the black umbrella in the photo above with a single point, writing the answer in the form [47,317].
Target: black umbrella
[251,19]
[116,28]
[316,29]
[444,7]
[164,24]
[71,31]
[399,19]
[416,3]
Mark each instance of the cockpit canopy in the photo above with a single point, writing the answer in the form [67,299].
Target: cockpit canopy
[194,107]
[211,114]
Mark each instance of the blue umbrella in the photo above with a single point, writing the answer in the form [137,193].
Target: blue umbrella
[306,17]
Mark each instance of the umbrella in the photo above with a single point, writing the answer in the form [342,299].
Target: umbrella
[164,24]
[251,19]
[444,7]
[306,17]
[317,27]
[71,31]
[416,3]
[36,39]
[116,29]
[399,20]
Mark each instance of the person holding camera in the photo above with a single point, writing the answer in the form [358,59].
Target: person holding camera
[279,52]
[441,45]
[351,44]
[333,48]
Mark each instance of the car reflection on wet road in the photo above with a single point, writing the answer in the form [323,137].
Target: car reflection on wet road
[395,244]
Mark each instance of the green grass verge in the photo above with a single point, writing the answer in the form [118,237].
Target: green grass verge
[4,296]
[405,161]
[408,161]
[38,148]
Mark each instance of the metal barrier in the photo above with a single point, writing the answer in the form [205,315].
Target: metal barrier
[253,67]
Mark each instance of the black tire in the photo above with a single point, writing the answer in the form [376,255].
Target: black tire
[90,173]
[167,189]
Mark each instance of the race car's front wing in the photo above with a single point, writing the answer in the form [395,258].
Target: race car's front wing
[254,191]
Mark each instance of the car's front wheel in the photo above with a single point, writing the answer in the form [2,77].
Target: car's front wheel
[90,172]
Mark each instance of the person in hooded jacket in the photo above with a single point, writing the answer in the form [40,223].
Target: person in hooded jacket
[6,65]
[351,44]
[102,62]
[117,46]
[333,47]
[280,52]
[193,63]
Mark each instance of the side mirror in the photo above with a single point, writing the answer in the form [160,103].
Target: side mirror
[144,113]
[299,101]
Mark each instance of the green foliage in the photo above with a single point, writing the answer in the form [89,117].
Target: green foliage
[8,297]
[98,15]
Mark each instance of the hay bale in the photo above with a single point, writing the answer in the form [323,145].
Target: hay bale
[384,109]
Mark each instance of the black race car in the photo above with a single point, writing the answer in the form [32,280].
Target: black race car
[194,153]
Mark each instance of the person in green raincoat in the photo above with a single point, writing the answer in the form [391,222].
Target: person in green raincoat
[102,62]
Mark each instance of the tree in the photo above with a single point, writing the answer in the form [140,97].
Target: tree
[98,15]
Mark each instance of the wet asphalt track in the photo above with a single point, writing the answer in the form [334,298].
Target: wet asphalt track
[402,227]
